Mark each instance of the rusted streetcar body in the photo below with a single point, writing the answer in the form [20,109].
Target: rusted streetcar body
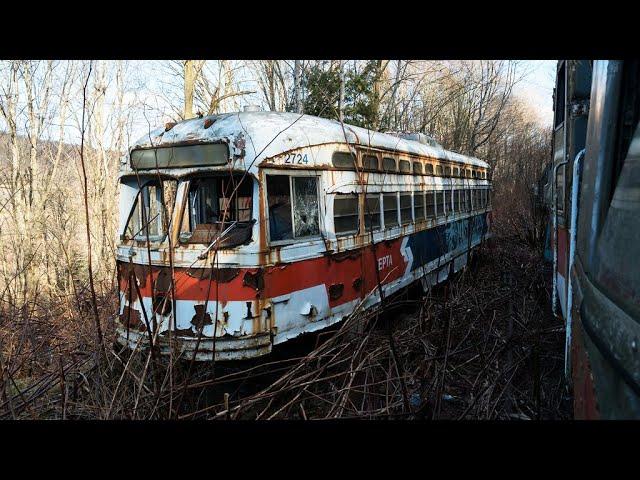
[273,224]
[594,198]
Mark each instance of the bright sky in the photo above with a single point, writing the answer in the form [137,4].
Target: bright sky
[537,87]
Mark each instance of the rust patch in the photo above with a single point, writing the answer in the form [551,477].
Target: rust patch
[335,291]
[222,275]
[200,319]
[254,280]
[346,255]
[130,318]
[163,281]
[160,305]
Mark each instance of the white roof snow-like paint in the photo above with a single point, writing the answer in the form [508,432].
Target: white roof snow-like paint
[265,134]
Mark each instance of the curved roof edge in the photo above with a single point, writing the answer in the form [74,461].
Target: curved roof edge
[265,134]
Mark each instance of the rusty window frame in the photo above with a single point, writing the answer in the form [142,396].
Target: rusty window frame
[293,239]
[386,163]
[406,206]
[405,166]
[366,158]
[431,204]
[419,206]
[343,156]
[428,168]
[372,215]
[418,167]
[387,199]
[341,197]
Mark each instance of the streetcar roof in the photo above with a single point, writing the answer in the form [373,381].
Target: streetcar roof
[266,134]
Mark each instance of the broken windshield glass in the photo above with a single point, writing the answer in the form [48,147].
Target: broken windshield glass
[215,204]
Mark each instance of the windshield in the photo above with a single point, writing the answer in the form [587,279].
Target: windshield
[151,211]
[216,204]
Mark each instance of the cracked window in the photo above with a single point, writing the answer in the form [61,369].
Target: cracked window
[218,205]
[303,209]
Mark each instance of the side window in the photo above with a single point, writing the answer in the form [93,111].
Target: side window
[389,164]
[439,171]
[431,208]
[405,208]
[447,171]
[417,167]
[428,169]
[304,190]
[345,213]
[405,166]
[448,205]
[390,205]
[372,212]
[279,200]
[456,172]
[343,160]
[370,162]
[305,207]
[418,205]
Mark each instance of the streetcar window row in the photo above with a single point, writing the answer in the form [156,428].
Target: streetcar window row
[404,208]
[372,163]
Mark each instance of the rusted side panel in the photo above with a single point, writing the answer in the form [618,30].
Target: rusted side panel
[584,398]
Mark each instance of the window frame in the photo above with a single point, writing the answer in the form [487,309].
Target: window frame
[395,165]
[365,214]
[370,155]
[384,210]
[348,169]
[155,239]
[294,239]
[410,208]
[419,194]
[347,233]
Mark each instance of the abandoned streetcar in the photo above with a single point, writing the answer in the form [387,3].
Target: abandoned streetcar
[240,231]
